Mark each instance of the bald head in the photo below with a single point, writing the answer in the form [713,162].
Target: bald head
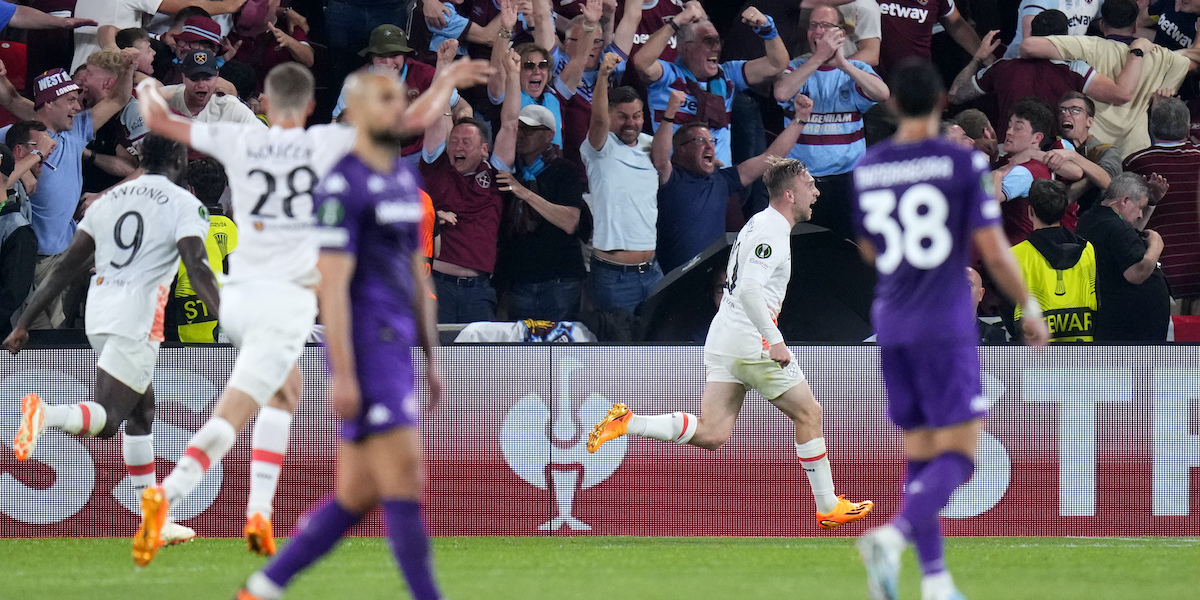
[976,286]
[375,103]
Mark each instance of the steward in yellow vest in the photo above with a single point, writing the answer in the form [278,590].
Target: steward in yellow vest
[1059,266]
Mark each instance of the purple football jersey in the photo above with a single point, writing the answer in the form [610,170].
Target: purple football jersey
[377,217]
[919,204]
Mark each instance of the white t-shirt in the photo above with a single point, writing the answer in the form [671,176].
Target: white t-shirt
[624,198]
[136,226]
[220,107]
[121,14]
[865,16]
[272,173]
[762,253]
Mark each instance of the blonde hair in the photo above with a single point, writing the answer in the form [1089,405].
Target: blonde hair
[108,60]
[289,88]
[781,173]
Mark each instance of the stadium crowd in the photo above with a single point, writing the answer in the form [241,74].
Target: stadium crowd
[583,199]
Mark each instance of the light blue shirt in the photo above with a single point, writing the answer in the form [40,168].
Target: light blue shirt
[53,204]
[833,140]
[730,80]
[456,24]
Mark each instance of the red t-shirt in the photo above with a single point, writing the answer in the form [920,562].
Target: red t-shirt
[475,199]
[1175,218]
[1017,225]
[262,53]
[906,29]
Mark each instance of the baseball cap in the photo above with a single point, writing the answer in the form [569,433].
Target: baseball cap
[200,62]
[386,39]
[536,115]
[200,29]
[253,18]
[50,85]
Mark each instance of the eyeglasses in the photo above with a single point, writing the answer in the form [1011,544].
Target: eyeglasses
[530,65]
[822,25]
[703,141]
[711,42]
[1075,110]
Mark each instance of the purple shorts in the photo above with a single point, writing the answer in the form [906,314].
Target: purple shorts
[932,384]
[389,394]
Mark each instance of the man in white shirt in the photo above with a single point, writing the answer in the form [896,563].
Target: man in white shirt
[745,350]
[197,97]
[139,231]
[624,198]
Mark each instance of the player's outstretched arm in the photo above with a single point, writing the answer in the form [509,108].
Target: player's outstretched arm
[200,273]
[1002,267]
[76,260]
[425,310]
[158,118]
[333,297]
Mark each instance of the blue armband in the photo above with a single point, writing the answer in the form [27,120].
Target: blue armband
[768,31]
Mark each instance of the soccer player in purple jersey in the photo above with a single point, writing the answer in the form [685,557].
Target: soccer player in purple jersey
[921,202]
[376,305]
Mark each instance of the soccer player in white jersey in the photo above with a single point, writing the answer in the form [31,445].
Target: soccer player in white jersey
[268,301]
[745,349]
[138,231]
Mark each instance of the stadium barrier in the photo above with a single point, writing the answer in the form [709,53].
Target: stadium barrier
[1088,441]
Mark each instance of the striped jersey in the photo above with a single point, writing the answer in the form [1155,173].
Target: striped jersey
[832,141]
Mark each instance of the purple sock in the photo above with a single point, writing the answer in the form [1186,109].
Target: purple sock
[914,469]
[324,528]
[406,532]
[927,492]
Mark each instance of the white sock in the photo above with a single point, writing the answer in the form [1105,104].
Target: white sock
[268,445]
[676,427]
[209,445]
[261,586]
[820,478]
[138,451]
[85,418]
[937,586]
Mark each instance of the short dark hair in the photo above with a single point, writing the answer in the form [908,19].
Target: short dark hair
[186,13]
[21,131]
[126,38]
[1040,118]
[1048,198]
[1074,95]
[207,178]
[685,131]
[8,162]
[1119,14]
[973,122]
[485,131]
[160,154]
[622,95]
[1049,22]
[242,76]
[917,87]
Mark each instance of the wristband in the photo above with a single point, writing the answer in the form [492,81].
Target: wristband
[504,33]
[1138,52]
[588,28]
[674,25]
[669,120]
[768,31]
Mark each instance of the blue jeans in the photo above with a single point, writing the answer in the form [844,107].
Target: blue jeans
[464,299]
[554,300]
[623,286]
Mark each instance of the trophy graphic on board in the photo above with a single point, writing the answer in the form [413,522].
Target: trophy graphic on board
[553,455]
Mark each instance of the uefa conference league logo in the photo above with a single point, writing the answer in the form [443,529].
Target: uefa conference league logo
[546,454]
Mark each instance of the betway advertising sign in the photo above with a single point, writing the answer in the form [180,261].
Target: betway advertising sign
[1095,441]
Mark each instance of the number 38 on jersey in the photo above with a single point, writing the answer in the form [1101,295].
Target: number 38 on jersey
[913,226]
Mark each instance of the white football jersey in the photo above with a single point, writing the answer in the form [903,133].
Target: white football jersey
[762,253]
[136,226]
[272,174]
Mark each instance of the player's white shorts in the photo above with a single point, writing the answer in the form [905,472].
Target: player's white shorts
[128,360]
[269,323]
[762,374]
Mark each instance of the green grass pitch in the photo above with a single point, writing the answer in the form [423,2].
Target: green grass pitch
[613,568]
